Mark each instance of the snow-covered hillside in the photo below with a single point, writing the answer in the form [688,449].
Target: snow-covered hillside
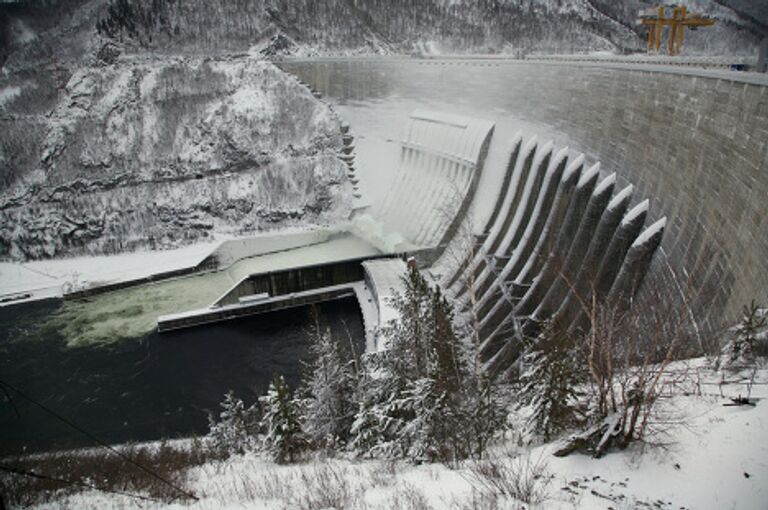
[308,27]
[373,26]
[161,152]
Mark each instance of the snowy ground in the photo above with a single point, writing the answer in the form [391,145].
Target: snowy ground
[717,459]
[50,278]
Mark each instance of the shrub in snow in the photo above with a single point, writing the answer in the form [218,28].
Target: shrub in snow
[627,351]
[750,339]
[284,438]
[500,478]
[236,429]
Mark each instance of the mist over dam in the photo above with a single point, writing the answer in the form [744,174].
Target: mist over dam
[693,142]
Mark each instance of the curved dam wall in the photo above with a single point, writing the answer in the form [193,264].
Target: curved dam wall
[694,142]
[558,238]
[697,146]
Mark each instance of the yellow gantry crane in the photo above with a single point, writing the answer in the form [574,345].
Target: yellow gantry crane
[655,20]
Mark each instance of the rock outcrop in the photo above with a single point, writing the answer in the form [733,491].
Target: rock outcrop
[161,152]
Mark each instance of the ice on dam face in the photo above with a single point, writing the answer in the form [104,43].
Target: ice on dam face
[441,157]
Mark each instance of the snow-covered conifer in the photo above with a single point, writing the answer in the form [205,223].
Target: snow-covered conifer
[415,399]
[235,430]
[366,431]
[550,381]
[284,437]
[329,389]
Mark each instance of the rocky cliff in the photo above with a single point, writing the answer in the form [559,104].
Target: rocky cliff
[161,152]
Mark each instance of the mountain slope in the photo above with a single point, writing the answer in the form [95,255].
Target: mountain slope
[107,104]
[163,152]
[351,26]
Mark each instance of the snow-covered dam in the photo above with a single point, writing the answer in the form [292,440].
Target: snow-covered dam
[441,160]
[512,229]
[557,229]
[519,230]
[692,142]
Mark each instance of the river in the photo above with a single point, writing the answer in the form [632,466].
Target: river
[148,388]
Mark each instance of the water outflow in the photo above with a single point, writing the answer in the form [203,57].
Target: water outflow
[441,156]
[558,236]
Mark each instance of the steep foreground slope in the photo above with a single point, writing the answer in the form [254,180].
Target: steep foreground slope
[707,455]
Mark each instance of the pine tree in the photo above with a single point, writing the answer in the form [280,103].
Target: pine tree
[417,399]
[445,364]
[284,437]
[550,381]
[329,388]
[409,335]
[377,429]
[366,431]
[429,427]
[482,416]
[743,349]
[235,430]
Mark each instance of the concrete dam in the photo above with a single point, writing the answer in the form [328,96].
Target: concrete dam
[667,174]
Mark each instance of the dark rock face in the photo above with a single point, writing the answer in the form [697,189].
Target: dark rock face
[162,152]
